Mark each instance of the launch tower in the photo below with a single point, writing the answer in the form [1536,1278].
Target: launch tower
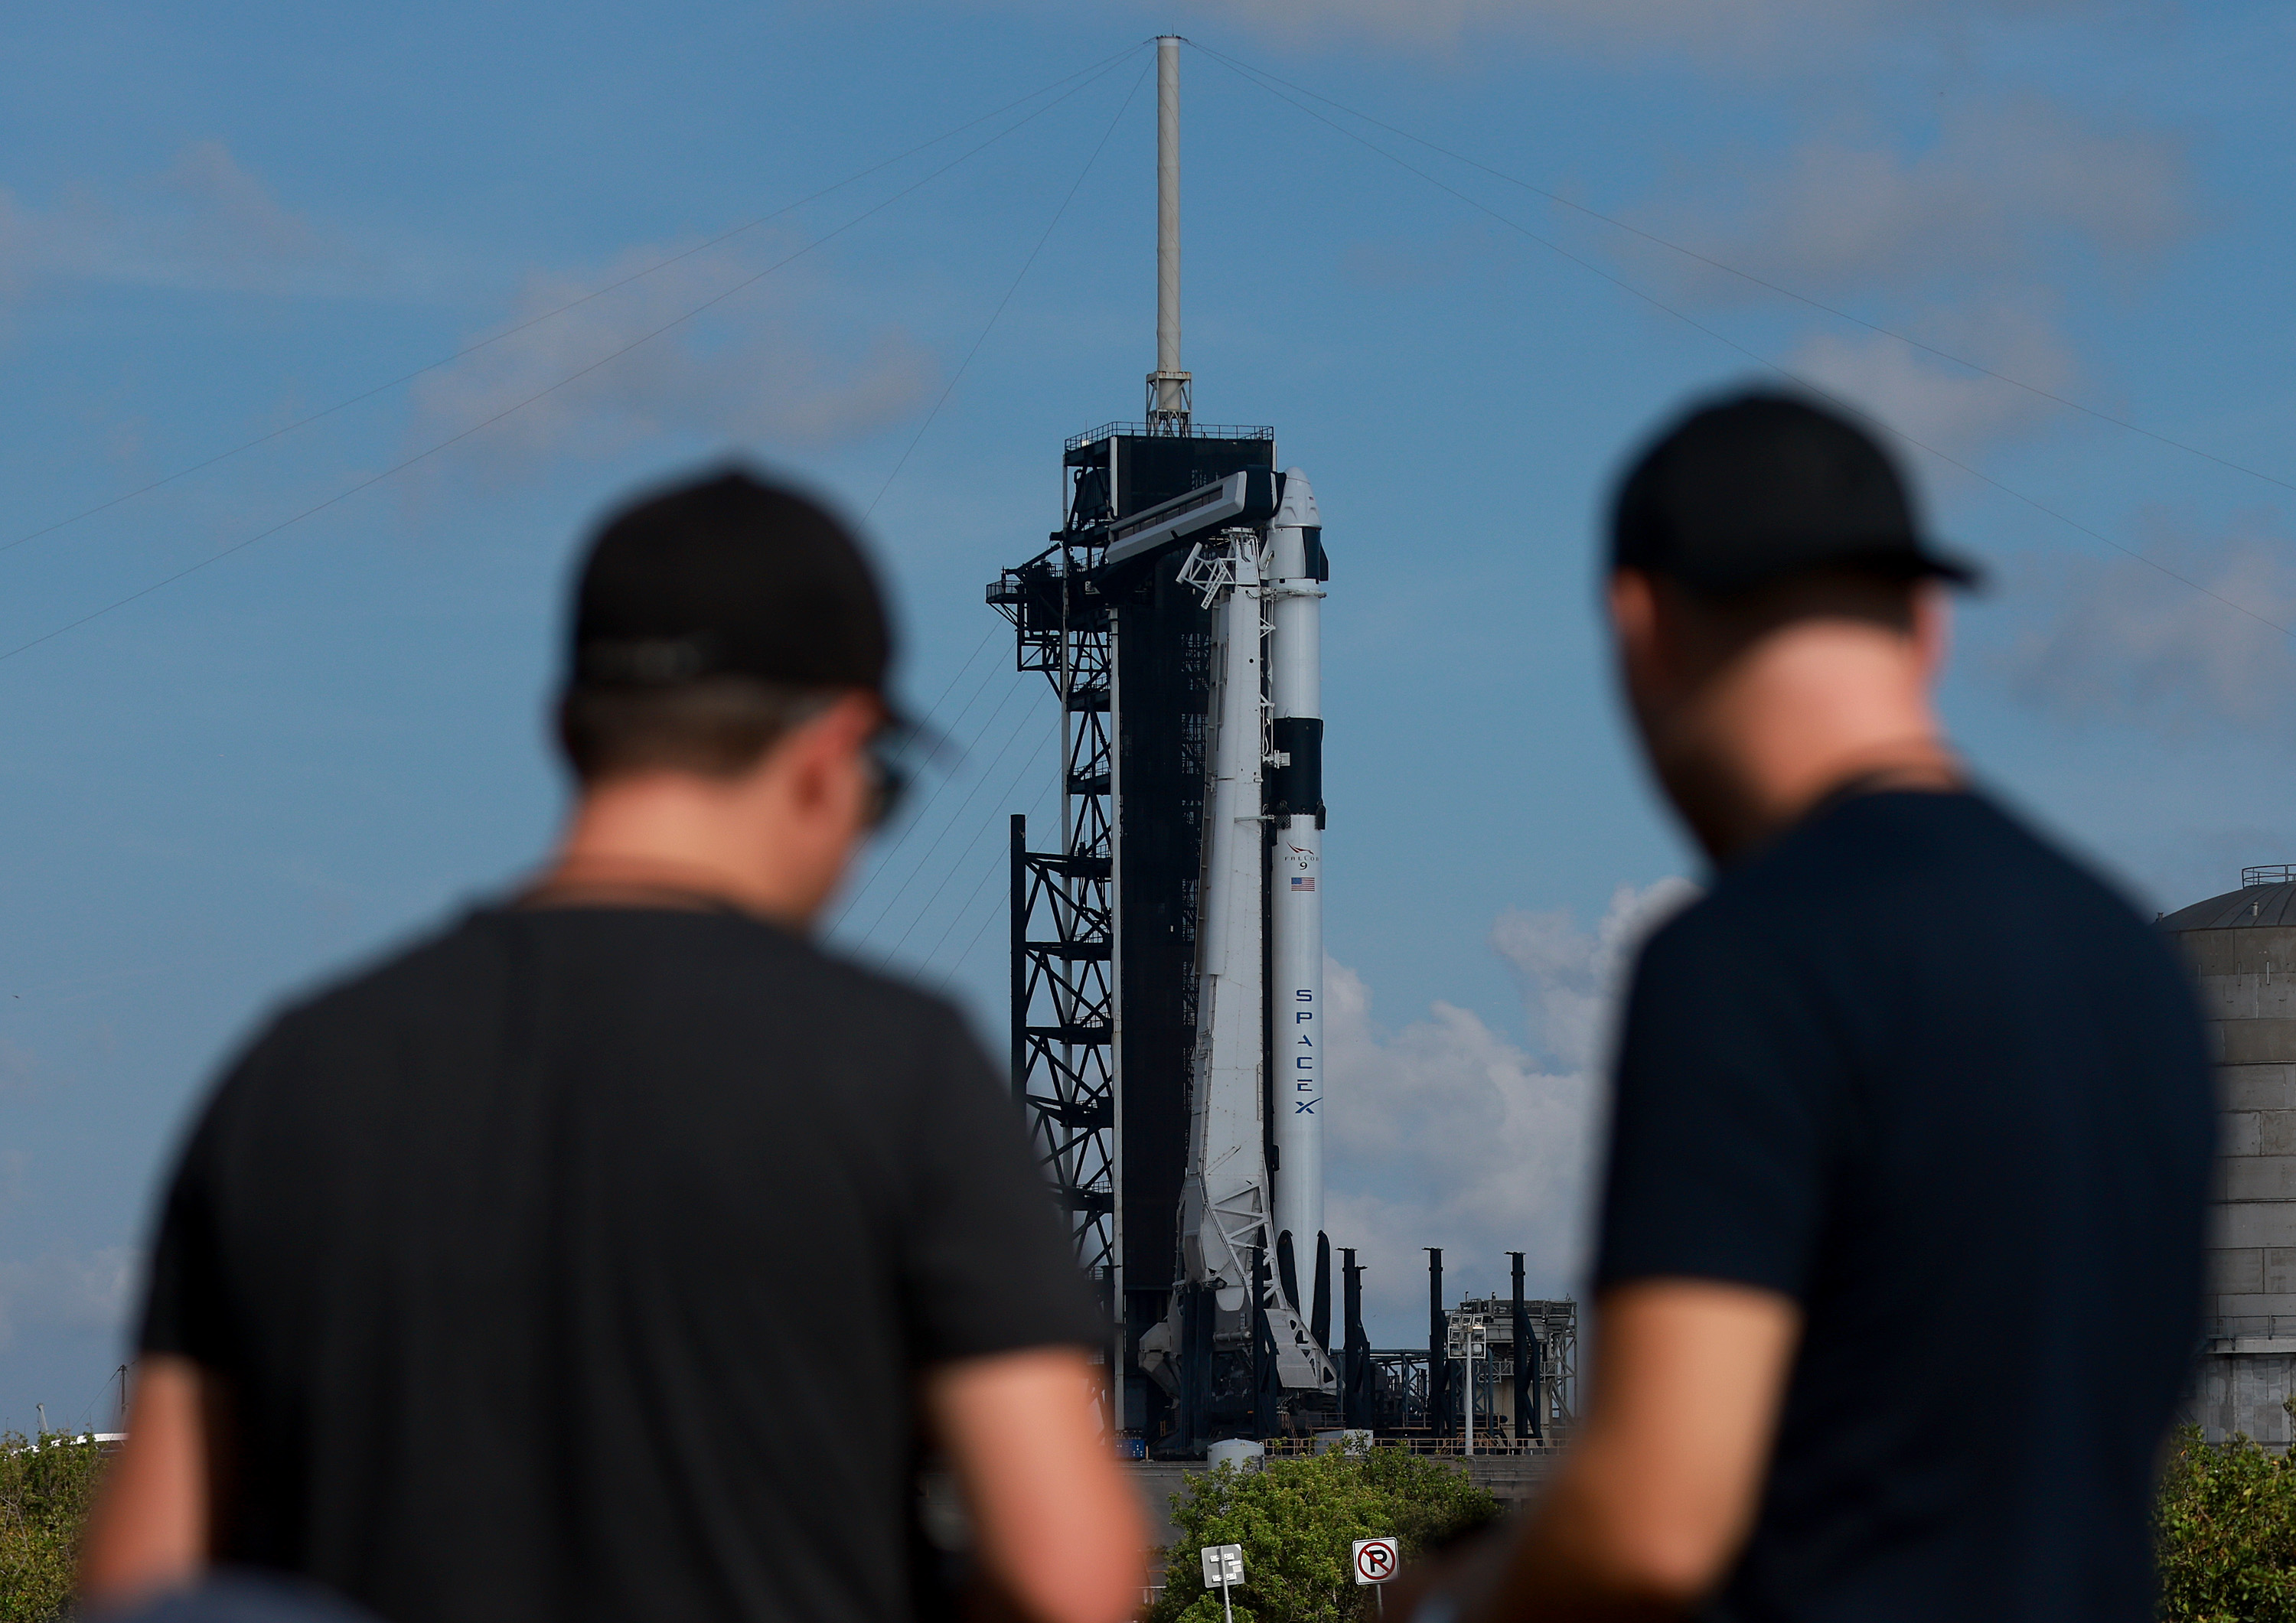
[1168,952]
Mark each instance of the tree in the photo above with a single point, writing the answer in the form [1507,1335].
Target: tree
[2226,1533]
[1297,1520]
[46,1485]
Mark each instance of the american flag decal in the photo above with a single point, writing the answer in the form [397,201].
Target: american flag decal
[1301,882]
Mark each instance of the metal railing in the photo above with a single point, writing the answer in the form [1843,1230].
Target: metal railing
[1447,1448]
[1196,431]
[2269,874]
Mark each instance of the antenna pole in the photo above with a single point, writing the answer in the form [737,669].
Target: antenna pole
[1169,402]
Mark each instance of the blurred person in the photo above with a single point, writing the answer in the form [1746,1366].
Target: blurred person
[616,1253]
[1900,1266]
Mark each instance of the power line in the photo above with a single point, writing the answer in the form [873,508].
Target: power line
[597,292]
[963,958]
[1019,727]
[1077,185]
[963,912]
[1561,201]
[452,439]
[1053,224]
[924,722]
[1760,360]
[915,821]
[885,865]
[956,868]
[987,327]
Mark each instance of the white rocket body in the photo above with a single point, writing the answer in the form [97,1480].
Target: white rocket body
[1223,1199]
[1296,1050]
[1226,1208]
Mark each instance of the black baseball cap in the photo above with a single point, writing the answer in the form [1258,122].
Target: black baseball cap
[1749,489]
[728,575]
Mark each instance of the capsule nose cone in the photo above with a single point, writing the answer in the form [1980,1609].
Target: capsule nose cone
[1298,507]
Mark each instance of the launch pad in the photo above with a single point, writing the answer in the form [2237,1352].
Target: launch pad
[1167,952]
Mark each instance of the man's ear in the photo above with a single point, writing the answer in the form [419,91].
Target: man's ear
[1633,600]
[1932,628]
[817,749]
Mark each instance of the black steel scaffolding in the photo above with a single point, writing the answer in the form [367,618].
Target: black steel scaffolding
[1064,914]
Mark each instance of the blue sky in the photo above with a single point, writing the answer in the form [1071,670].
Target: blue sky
[218,220]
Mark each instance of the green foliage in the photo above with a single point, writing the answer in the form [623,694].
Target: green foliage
[46,1489]
[2226,1528]
[2227,1533]
[1297,1519]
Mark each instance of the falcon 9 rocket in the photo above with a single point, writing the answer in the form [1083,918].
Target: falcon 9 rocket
[1254,1174]
[1295,813]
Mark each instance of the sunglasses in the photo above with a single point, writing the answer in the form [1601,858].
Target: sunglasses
[899,750]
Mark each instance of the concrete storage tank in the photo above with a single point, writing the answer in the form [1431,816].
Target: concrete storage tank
[2243,945]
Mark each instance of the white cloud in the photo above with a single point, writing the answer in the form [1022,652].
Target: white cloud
[1963,242]
[2000,187]
[60,1291]
[2116,640]
[1932,401]
[1445,1133]
[1571,978]
[741,372]
[204,222]
[227,213]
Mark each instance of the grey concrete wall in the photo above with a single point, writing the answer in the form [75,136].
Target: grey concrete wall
[2248,994]
[2247,990]
[2240,1394]
[2252,1260]
[1158,1480]
[1514,1480]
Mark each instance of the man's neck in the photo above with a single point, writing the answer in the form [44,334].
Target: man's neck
[1802,721]
[649,839]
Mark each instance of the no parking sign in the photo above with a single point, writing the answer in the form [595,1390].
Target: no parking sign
[1376,1560]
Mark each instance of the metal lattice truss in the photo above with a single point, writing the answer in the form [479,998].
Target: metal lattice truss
[1217,564]
[1067,1081]
[1557,1326]
[1063,905]
[1398,1385]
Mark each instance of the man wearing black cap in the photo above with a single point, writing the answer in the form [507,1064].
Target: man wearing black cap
[1900,1250]
[615,1254]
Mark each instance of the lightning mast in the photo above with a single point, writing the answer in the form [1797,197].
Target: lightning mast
[1169,406]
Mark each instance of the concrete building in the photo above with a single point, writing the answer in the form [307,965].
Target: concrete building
[1554,1325]
[2243,945]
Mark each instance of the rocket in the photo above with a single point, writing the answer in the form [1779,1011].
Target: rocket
[1224,1196]
[1244,1100]
[1294,798]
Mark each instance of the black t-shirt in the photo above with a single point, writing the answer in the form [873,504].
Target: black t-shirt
[580,1265]
[1915,1070]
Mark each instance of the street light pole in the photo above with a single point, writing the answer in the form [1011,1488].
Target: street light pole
[1467,1342]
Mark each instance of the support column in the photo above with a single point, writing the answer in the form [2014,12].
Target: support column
[1439,1366]
[1356,1405]
[1019,920]
[1526,1359]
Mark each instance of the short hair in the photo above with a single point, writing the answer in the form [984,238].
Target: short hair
[1714,629]
[1874,597]
[711,727]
